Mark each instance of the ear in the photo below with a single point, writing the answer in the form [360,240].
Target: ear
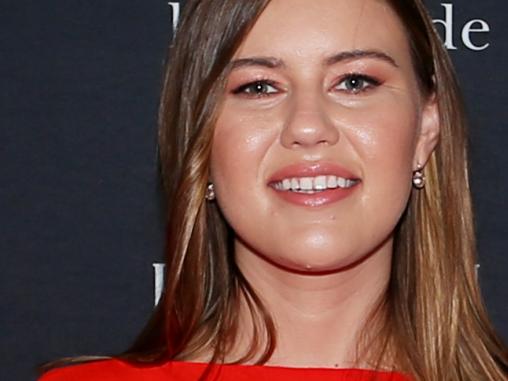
[428,136]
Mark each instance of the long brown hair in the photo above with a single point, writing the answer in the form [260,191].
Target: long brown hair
[436,326]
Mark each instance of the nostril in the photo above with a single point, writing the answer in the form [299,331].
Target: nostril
[309,129]
[296,139]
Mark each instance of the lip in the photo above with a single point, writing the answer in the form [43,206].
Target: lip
[317,199]
[311,170]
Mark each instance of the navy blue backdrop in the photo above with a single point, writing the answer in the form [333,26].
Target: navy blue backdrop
[80,217]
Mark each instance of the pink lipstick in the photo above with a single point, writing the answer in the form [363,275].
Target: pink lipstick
[314,184]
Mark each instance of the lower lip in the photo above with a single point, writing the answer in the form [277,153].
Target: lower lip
[325,197]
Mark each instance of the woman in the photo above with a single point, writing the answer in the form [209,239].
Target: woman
[320,222]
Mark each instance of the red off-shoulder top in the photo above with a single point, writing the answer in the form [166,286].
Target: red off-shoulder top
[116,370]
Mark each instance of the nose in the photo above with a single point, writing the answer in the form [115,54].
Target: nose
[308,124]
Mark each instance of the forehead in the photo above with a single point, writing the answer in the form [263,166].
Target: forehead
[312,29]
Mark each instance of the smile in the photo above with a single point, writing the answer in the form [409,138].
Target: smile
[311,185]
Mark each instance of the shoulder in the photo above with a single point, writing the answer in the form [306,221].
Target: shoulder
[106,370]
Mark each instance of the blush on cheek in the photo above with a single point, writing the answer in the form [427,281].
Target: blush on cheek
[239,147]
[391,137]
[234,166]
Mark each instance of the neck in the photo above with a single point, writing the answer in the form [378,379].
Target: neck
[318,318]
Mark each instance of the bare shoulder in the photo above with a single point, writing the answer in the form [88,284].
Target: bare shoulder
[104,370]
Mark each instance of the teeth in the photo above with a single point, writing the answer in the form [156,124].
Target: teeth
[331,182]
[312,184]
[306,183]
[320,183]
[295,184]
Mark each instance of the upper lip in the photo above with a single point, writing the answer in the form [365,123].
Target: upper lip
[311,170]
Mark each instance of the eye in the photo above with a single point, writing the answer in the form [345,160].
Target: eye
[357,83]
[257,89]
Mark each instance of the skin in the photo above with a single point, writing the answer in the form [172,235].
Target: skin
[320,270]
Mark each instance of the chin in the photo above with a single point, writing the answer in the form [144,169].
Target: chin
[316,261]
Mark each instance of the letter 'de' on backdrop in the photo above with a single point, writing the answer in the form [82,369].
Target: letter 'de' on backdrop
[81,238]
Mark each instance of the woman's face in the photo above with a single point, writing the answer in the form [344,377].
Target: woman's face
[321,128]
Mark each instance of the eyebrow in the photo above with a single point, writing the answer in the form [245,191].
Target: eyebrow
[350,55]
[357,54]
[269,62]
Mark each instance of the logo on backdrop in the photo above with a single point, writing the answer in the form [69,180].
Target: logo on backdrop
[158,272]
[469,32]
[468,35]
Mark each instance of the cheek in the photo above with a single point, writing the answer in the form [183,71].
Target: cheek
[385,140]
[385,132]
[239,150]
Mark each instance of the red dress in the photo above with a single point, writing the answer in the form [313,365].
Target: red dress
[116,370]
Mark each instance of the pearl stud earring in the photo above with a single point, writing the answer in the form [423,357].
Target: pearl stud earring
[210,192]
[418,177]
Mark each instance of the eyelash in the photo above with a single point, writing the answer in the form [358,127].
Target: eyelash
[242,90]
[370,81]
